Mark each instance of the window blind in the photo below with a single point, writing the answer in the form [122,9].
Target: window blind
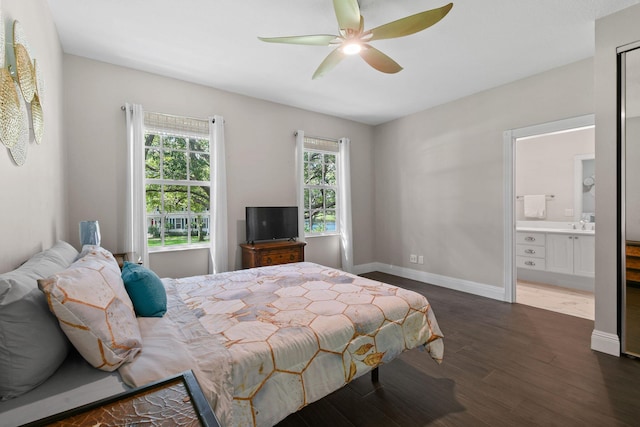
[312,143]
[175,125]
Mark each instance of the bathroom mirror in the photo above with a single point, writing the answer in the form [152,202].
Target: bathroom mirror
[584,187]
[629,95]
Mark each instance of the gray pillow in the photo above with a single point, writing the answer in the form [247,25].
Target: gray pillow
[17,283]
[32,345]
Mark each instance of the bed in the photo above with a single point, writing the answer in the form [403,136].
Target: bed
[265,342]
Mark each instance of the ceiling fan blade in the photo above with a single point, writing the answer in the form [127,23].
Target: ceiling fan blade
[329,62]
[409,25]
[348,14]
[379,60]
[313,40]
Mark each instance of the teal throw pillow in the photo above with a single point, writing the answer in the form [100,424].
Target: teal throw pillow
[145,289]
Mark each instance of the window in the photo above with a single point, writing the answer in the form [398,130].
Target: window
[177,181]
[320,186]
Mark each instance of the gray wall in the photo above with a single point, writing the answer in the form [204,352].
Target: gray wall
[260,156]
[33,198]
[440,173]
[611,32]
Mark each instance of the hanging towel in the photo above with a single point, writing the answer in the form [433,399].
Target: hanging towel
[535,206]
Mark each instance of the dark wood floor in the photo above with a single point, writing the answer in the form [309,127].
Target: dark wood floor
[504,365]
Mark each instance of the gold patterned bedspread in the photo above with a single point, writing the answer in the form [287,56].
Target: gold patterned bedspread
[297,332]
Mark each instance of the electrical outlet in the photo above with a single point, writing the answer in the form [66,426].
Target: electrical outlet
[421,259]
[568,212]
[413,258]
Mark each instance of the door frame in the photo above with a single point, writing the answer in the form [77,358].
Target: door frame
[510,137]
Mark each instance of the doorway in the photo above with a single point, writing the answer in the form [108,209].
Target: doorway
[550,216]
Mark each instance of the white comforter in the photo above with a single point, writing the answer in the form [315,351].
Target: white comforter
[265,342]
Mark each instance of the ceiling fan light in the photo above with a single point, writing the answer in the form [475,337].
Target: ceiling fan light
[351,48]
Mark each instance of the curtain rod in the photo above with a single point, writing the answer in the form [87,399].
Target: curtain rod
[124,107]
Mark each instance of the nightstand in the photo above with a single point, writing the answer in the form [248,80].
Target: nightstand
[174,401]
[127,256]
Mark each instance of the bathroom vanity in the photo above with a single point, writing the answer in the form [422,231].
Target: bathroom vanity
[556,253]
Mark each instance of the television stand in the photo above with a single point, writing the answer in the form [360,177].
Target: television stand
[262,254]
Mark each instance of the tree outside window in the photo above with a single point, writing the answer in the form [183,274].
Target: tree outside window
[320,192]
[178,189]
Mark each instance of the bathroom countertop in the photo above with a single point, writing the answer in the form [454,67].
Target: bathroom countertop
[556,230]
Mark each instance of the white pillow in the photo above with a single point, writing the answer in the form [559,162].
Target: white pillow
[94,310]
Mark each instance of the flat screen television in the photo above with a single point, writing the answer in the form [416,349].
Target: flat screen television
[271,222]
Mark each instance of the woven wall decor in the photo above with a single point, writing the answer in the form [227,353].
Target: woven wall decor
[24,65]
[27,88]
[39,80]
[26,73]
[2,48]
[20,37]
[19,150]
[10,114]
[37,118]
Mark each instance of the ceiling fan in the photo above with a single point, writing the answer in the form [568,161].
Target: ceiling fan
[354,40]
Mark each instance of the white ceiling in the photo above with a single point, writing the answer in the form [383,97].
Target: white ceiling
[479,45]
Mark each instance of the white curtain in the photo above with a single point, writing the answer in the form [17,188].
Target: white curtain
[219,251]
[346,233]
[136,221]
[300,182]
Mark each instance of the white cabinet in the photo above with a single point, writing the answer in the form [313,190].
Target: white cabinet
[584,255]
[556,252]
[560,253]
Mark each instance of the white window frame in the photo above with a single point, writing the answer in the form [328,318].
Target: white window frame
[314,145]
[188,129]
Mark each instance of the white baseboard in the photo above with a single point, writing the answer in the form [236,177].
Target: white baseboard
[480,289]
[605,342]
[365,268]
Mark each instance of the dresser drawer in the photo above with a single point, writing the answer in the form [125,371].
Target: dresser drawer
[279,257]
[530,251]
[633,250]
[531,263]
[524,238]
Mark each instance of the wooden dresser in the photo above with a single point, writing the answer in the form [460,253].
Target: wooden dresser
[633,261]
[271,253]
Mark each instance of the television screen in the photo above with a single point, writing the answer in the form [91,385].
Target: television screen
[271,223]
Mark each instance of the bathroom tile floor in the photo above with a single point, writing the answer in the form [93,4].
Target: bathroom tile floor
[555,298]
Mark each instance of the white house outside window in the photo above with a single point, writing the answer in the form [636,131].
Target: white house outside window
[321,187]
[177,154]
